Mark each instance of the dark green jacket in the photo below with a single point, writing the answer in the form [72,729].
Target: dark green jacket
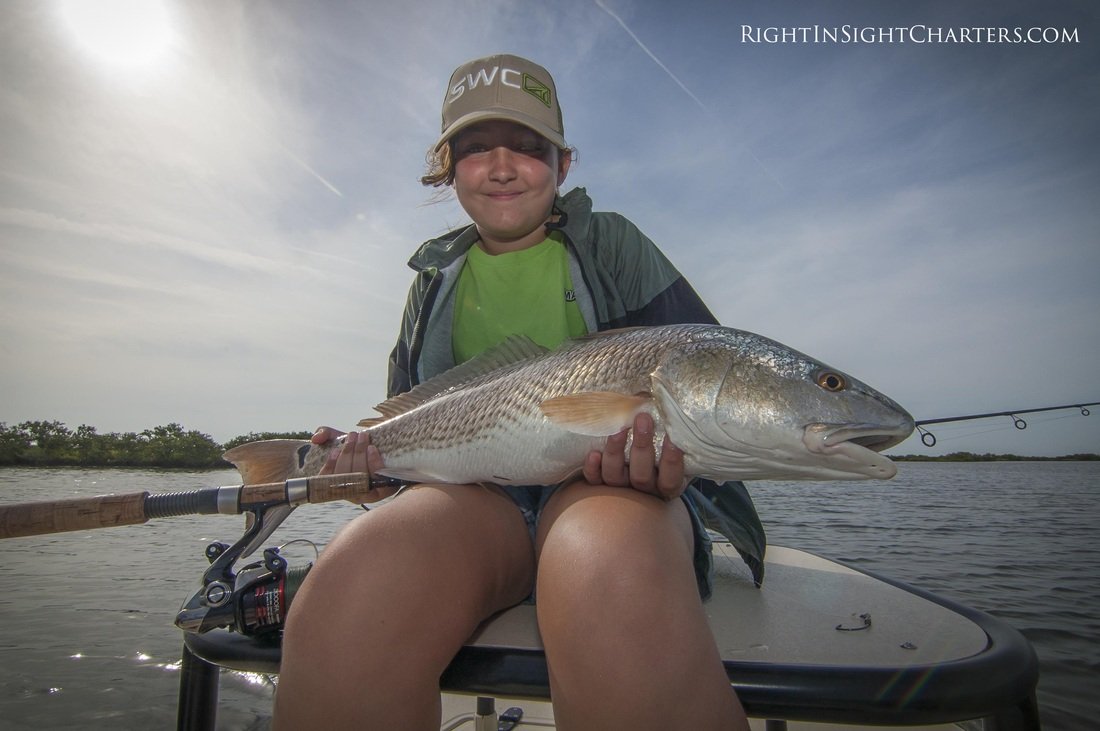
[621,279]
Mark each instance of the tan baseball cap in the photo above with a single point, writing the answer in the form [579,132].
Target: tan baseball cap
[502,87]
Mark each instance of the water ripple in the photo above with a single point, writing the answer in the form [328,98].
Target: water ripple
[96,649]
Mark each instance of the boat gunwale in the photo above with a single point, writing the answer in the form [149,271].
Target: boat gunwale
[998,682]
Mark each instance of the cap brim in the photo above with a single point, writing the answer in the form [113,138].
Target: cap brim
[509,115]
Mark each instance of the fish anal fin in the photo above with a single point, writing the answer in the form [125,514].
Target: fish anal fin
[409,475]
[272,460]
[594,413]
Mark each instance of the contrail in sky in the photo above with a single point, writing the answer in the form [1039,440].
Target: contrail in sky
[681,85]
[312,172]
[650,54]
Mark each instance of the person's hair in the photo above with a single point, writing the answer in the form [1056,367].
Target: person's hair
[441,164]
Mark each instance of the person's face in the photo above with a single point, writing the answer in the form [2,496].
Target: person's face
[506,177]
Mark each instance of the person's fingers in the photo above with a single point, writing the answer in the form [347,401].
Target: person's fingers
[353,457]
[642,468]
[350,456]
[329,467]
[375,461]
[593,468]
[670,471]
[613,469]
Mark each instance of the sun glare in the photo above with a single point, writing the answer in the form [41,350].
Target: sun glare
[124,35]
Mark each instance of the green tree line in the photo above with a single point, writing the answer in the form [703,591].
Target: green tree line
[52,444]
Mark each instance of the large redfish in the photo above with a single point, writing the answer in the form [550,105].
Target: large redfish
[740,406]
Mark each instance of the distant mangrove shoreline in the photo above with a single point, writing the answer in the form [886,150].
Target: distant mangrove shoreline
[972,457]
[52,444]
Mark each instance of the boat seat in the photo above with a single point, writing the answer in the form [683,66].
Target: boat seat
[820,641]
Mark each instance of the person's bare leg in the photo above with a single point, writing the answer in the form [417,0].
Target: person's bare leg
[627,640]
[391,601]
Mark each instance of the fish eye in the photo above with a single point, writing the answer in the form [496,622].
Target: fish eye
[831,381]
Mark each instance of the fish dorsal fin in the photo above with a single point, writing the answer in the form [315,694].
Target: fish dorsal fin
[610,333]
[599,335]
[595,413]
[514,349]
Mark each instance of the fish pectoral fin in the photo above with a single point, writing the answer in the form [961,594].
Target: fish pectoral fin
[594,413]
[271,460]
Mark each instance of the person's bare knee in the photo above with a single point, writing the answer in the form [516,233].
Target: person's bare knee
[453,532]
[620,613]
[396,594]
[595,524]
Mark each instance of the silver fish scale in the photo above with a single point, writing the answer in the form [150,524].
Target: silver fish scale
[507,400]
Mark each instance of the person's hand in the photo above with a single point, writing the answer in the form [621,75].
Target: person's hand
[665,479]
[356,454]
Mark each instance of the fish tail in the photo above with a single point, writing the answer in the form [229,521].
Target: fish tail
[276,460]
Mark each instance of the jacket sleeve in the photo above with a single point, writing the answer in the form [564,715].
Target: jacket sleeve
[650,289]
[675,304]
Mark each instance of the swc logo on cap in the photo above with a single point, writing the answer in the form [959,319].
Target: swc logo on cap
[507,77]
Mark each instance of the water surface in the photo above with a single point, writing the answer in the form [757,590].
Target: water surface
[87,640]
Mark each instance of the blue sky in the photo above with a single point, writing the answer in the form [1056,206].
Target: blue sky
[215,233]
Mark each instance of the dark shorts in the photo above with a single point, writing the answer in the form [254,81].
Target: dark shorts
[532,500]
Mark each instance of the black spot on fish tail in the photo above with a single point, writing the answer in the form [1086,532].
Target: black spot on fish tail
[302,452]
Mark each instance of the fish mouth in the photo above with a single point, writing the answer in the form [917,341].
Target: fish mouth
[857,446]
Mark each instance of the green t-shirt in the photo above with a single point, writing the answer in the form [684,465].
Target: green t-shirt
[527,292]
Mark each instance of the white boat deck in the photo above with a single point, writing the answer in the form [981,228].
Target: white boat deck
[791,620]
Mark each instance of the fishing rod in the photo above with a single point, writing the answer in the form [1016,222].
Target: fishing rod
[103,511]
[252,600]
[929,439]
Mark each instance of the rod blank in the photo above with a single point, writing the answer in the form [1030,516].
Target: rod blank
[946,419]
